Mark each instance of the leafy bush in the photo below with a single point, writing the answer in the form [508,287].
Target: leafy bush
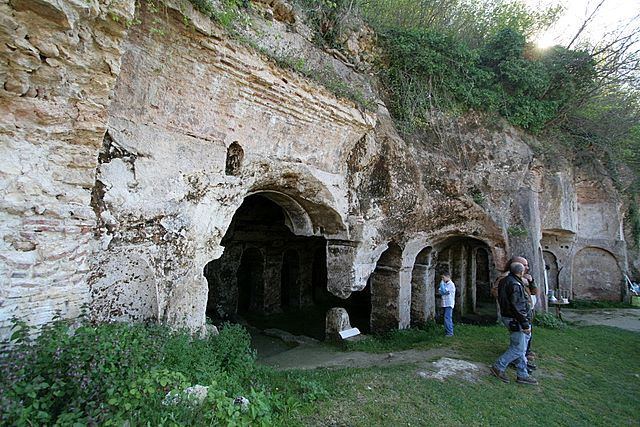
[118,373]
[470,21]
[548,320]
[428,69]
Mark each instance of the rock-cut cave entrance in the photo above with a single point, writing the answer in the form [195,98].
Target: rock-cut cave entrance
[469,261]
[268,276]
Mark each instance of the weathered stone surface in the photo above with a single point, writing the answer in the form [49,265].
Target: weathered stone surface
[193,396]
[582,240]
[281,10]
[54,91]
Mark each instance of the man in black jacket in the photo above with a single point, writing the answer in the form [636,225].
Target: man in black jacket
[515,308]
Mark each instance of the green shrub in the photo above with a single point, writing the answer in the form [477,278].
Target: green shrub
[517,231]
[225,15]
[115,374]
[427,69]
[548,320]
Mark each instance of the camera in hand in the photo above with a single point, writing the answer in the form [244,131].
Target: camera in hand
[514,326]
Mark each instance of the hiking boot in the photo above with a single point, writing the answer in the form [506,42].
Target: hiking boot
[528,380]
[531,355]
[531,366]
[500,375]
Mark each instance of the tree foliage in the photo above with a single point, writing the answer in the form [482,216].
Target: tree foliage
[470,21]
[503,75]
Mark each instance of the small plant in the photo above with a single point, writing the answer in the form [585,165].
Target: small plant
[517,231]
[226,15]
[548,320]
[478,197]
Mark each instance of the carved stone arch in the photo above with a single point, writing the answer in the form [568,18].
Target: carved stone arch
[270,263]
[422,297]
[596,275]
[297,219]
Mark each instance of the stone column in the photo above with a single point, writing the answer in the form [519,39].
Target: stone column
[419,287]
[305,277]
[340,267]
[385,290]
[473,286]
[272,281]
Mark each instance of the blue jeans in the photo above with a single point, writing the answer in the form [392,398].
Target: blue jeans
[448,320]
[516,352]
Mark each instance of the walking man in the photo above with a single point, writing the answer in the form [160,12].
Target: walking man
[515,307]
[532,292]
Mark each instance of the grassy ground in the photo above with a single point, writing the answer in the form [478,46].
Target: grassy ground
[588,305]
[588,376]
[119,374]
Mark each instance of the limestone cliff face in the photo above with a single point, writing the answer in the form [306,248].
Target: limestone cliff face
[59,61]
[129,157]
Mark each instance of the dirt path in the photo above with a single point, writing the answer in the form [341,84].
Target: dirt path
[623,318]
[282,350]
[312,356]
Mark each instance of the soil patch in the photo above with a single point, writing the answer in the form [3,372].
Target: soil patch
[623,318]
[273,352]
[448,367]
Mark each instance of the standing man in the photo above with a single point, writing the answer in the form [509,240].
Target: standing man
[532,292]
[516,315]
[448,292]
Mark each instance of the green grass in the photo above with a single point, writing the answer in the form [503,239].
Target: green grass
[587,305]
[588,377]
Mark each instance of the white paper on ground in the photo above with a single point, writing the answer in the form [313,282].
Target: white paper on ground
[348,333]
